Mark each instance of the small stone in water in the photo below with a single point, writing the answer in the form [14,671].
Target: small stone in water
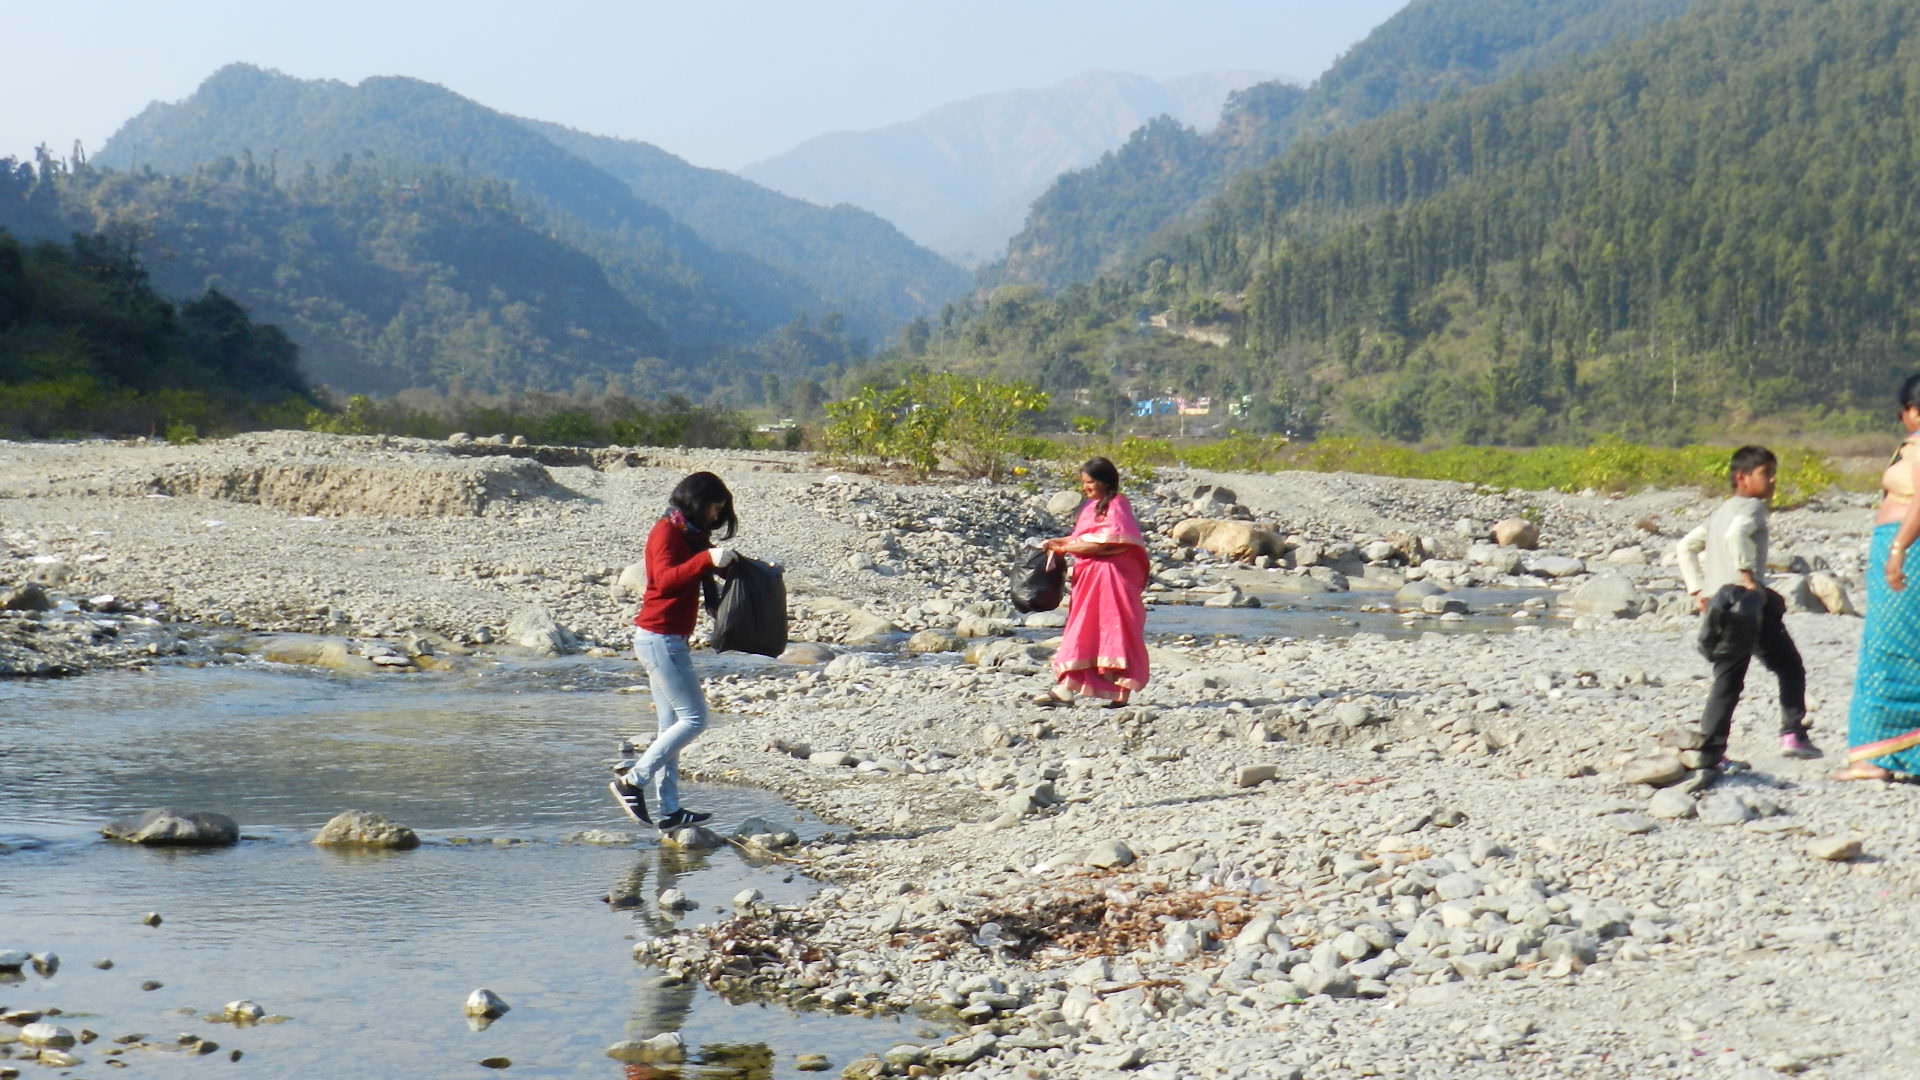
[484,1002]
[812,1063]
[495,1063]
[152,984]
[103,964]
[151,918]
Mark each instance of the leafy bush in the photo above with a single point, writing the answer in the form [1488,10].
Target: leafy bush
[977,424]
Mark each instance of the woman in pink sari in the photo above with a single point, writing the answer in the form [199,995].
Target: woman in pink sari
[1103,651]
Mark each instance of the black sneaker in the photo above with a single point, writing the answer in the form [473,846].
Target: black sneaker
[631,798]
[682,818]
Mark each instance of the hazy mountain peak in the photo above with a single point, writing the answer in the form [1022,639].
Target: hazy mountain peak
[958,177]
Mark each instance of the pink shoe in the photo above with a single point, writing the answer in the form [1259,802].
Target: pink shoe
[1795,744]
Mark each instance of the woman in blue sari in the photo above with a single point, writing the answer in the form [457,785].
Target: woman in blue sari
[1883,726]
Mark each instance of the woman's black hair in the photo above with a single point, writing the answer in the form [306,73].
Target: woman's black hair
[1910,393]
[1102,472]
[697,494]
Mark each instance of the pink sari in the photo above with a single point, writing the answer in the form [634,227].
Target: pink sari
[1103,651]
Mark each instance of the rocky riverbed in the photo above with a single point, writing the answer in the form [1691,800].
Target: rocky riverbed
[1289,857]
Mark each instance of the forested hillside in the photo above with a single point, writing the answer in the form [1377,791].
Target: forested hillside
[865,268]
[1678,234]
[86,345]
[408,127]
[1099,218]
[389,282]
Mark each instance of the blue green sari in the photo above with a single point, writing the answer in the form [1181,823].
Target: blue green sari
[1883,725]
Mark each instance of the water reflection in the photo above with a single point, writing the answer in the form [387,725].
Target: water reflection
[371,954]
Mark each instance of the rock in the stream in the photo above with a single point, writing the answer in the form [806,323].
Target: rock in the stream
[363,828]
[484,1002]
[807,652]
[169,827]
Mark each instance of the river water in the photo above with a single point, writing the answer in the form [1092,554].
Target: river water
[370,955]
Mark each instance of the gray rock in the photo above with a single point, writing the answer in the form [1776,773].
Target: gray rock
[28,597]
[1064,504]
[694,838]
[666,1048]
[1609,595]
[1655,770]
[1108,854]
[934,640]
[1481,964]
[1443,605]
[1725,808]
[484,1002]
[864,626]
[167,826]
[964,1051]
[1827,589]
[1672,804]
[1554,566]
[1516,532]
[1413,593]
[807,652]
[1631,824]
[248,1012]
[47,1036]
[535,629]
[1834,848]
[363,828]
[1458,886]
[675,900]
[1253,775]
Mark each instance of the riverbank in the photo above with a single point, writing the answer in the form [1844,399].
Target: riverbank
[1308,857]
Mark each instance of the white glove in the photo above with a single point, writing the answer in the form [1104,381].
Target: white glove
[721,556]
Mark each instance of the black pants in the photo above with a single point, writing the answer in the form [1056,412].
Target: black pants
[1775,648]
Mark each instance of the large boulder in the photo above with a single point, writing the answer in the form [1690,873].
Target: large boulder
[28,597]
[807,652]
[1516,532]
[1411,595]
[1064,504]
[1798,594]
[1554,566]
[1832,595]
[933,640]
[534,629]
[865,626]
[1609,595]
[364,829]
[1229,539]
[168,827]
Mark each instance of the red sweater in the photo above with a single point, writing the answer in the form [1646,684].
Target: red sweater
[671,603]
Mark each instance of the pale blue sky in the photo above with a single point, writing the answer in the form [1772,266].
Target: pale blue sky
[720,84]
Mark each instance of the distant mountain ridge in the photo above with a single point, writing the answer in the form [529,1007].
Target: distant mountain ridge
[876,276]
[705,290]
[958,179]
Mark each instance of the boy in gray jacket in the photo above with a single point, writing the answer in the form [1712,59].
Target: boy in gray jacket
[1747,618]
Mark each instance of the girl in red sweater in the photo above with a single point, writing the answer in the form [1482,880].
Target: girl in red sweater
[680,553]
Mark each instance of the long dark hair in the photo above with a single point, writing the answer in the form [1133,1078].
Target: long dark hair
[698,494]
[1910,393]
[1102,472]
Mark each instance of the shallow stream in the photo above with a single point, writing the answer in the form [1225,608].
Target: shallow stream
[370,955]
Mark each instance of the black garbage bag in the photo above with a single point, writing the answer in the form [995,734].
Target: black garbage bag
[1039,580]
[749,609]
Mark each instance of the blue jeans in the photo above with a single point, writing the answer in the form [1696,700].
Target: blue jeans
[680,706]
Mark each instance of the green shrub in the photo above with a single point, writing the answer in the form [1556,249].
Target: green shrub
[978,424]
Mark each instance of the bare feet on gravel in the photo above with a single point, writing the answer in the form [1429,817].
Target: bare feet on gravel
[1862,771]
